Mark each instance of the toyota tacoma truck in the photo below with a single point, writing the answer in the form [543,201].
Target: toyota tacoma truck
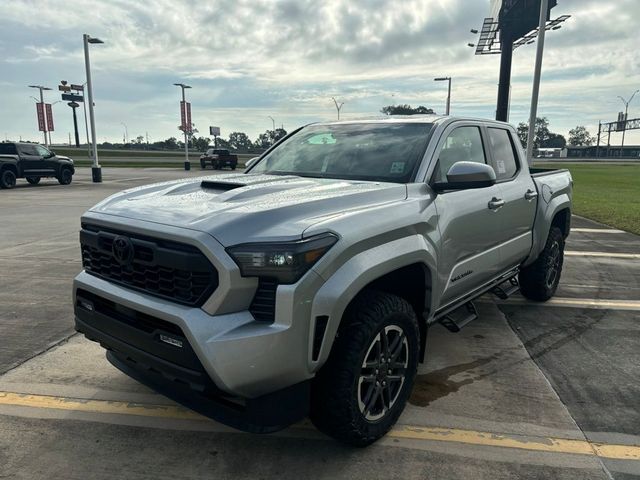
[307,285]
[32,162]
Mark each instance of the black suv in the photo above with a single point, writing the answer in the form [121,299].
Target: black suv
[33,162]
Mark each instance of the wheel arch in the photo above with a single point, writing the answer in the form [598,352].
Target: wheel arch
[407,271]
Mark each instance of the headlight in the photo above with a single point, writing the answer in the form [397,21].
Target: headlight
[286,261]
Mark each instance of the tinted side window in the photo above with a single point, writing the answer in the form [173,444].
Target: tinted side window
[43,152]
[8,149]
[27,150]
[504,155]
[464,144]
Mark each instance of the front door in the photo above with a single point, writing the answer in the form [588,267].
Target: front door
[30,159]
[469,244]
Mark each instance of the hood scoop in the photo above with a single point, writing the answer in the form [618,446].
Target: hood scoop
[224,186]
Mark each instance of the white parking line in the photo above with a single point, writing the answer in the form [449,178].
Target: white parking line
[580,302]
[597,230]
[574,253]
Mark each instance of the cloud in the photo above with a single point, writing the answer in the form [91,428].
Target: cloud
[247,59]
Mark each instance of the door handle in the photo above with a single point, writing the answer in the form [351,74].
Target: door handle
[496,203]
[530,195]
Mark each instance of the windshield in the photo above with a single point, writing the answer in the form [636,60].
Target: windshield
[386,152]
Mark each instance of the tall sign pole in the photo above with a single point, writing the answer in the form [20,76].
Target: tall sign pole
[544,4]
[96,170]
[185,123]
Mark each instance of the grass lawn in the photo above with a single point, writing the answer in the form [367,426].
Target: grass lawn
[607,193]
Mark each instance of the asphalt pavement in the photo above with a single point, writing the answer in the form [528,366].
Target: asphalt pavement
[527,391]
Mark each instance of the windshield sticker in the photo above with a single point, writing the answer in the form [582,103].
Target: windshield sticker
[501,167]
[322,139]
[397,167]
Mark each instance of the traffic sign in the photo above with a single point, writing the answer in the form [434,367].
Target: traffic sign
[72,97]
[77,88]
[214,131]
[64,88]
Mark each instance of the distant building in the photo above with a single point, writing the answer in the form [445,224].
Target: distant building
[613,151]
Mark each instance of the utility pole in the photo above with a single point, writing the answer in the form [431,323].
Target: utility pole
[186,124]
[624,125]
[598,143]
[73,106]
[542,26]
[96,170]
[273,122]
[338,107]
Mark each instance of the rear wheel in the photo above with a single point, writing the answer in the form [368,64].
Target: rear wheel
[363,388]
[7,179]
[65,176]
[202,165]
[33,180]
[539,281]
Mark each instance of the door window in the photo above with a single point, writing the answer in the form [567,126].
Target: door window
[28,150]
[42,152]
[504,155]
[464,144]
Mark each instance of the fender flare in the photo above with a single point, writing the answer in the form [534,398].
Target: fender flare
[543,224]
[354,275]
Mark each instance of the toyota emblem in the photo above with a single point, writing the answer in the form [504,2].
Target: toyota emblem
[122,249]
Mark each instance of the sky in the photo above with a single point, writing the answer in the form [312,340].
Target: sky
[250,59]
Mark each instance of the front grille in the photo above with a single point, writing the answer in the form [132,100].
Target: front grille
[263,305]
[165,269]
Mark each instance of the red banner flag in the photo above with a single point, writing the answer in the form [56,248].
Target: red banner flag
[49,115]
[183,117]
[42,126]
[188,117]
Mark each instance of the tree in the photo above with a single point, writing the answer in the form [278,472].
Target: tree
[555,140]
[139,139]
[240,141]
[406,110]
[541,132]
[200,143]
[269,137]
[580,136]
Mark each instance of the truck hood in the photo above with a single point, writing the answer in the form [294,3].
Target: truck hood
[239,208]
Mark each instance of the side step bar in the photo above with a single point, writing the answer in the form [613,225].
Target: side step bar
[506,289]
[459,318]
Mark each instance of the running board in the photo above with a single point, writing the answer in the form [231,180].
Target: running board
[459,318]
[506,289]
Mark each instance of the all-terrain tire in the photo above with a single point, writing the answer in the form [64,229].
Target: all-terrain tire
[65,177]
[338,404]
[539,281]
[7,179]
[33,180]
[203,165]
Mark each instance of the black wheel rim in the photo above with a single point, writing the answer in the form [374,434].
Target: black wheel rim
[10,179]
[553,265]
[382,374]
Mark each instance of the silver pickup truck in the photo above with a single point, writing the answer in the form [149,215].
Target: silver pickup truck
[307,284]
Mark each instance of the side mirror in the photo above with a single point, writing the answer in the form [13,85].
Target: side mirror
[51,154]
[464,175]
[251,162]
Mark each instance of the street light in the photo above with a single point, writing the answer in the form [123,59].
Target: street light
[626,108]
[96,170]
[447,79]
[338,107]
[126,132]
[273,122]
[41,88]
[187,165]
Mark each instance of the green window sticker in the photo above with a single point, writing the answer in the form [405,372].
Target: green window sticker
[397,167]
[322,139]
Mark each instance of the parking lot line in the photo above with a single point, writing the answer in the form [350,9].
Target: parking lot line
[580,302]
[575,253]
[436,434]
[597,230]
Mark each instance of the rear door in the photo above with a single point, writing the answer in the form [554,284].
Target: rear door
[518,192]
[31,160]
[469,244]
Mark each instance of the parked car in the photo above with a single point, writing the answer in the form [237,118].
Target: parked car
[32,162]
[218,158]
[307,284]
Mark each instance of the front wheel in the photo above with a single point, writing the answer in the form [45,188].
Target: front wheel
[539,281]
[65,176]
[33,180]
[363,388]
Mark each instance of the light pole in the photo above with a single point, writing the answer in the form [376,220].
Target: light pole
[126,132]
[273,122]
[187,165]
[443,79]
[338,107]
[41,88]
[96,170]
[626,109]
